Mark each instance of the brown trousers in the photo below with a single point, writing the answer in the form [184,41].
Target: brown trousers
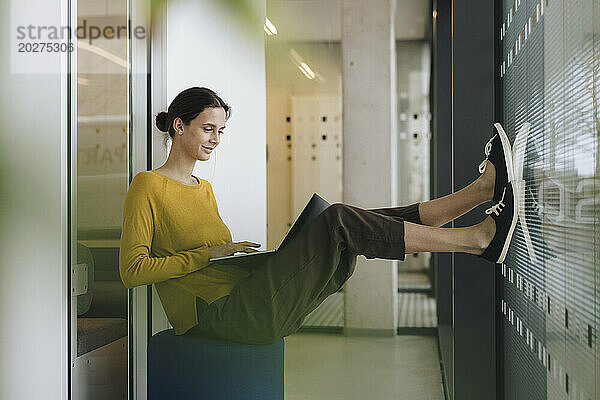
[286,286]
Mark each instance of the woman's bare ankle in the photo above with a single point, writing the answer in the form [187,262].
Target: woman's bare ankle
[486,231]
[486,182]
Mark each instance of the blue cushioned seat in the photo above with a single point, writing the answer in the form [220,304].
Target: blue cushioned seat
[192,367]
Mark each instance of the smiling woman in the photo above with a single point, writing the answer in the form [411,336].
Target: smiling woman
[194,122]
[173,231]
[157,220]
[186,106]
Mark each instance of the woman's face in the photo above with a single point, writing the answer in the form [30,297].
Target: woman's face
[203,134]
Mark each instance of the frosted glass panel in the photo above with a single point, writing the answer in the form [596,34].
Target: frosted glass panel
[549,76]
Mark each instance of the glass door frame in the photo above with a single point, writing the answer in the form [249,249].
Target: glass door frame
[139,132]
[139,150]
[70,84]
[147,96]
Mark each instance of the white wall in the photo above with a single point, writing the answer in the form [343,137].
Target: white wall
[208,45]
[33,267]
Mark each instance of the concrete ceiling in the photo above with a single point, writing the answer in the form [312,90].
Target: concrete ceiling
[320,20]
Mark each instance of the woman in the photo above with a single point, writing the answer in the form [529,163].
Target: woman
[172,227]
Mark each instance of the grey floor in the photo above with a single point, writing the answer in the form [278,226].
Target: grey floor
[332,366]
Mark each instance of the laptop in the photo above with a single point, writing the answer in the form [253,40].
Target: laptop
[315,206]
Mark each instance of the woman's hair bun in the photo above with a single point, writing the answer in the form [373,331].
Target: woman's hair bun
[161,121]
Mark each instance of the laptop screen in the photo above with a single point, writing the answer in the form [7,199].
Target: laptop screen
[315,206]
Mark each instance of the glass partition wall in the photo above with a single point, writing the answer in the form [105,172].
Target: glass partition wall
[99,184]
[550,301]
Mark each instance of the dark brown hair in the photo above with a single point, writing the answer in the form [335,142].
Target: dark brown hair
[187,105]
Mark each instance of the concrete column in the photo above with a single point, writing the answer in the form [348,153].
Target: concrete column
[369,57]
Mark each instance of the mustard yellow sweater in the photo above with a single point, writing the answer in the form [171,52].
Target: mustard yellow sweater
[167,229]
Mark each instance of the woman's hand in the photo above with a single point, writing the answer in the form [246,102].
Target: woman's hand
[228,249]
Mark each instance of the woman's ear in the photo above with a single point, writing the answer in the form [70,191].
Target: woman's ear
[178,126]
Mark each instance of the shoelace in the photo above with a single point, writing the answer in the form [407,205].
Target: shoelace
[498,207]
[487,150]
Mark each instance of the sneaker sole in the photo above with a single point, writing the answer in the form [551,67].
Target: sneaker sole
[507,151]
[523,221]
[518,160]
[513,224]
[519,150]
